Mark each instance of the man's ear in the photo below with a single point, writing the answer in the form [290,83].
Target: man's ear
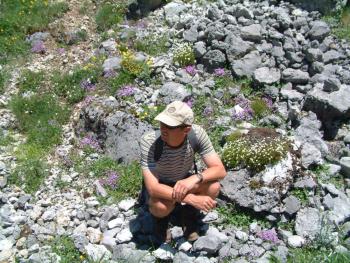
[187,129]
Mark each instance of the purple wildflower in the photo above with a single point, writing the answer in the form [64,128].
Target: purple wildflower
[89,141]
[142,24]
[86,84]
[110,73]
[219,72]
[247,113]
[126,91]
[191,69]
[111,180]
[189,101]
[268,102]
[38,47]
[61,51]
[208,110]
[269,235]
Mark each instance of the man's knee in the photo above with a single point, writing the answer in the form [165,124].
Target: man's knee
[160,208]
[214,189]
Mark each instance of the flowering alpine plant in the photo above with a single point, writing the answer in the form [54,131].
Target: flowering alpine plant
[219,72]
[191,70]
[269,235]
[208,110]
[189,102]
[61,51]
[126,91]
[109,73]
[89,141]
[247,113]
[87,85]
[268,102]
[38,47]
[87,101]
[111,180]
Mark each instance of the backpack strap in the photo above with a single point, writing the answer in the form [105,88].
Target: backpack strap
[158,150]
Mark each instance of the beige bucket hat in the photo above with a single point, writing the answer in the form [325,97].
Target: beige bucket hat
[175,114]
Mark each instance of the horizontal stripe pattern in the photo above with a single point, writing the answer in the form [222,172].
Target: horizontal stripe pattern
[174,164]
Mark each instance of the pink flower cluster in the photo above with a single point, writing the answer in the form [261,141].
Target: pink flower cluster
[126,91]
[111,180]
[247,113]
[89,141]
[38,47]
[191,70]
[269,235]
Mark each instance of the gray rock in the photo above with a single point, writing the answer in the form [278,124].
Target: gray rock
[97,252]
[215,31]
[331,84]
[271,120]
[108,45]
[308,132]
[291,95]
[308,223]
[310,156]
[295,76]
[267,75]
[313,55]
[332,56]
[214,59]
[80,241]
[182,257]
[172,91]
[319,30]
[164,252]
[209,244]
[124,236]
[345,166]
[305,183]
[140,8]
[251,251]
[242,11]
[172,11]
[113,63]
[23,200]
[237,47]
[303,88]
[296,241]
[38,36]
[246,66]
[292,205]
[227,252]
[252,33]
[127,204]
[191,35]
[199,49]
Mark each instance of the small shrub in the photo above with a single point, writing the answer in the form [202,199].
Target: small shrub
[184,55]
[152,44]
[41,117]
[109,15]
[22,18]
[65,248]
[254,151]
[30,81]
[224,81]
[260,108]
[235,216]
[29,174]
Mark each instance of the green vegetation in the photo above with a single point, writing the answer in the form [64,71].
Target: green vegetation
[315,255]
[110,14]
[65,248]
[259,108]
[123,78]
[223,82]
[30,81]
[301,194]
[120,181]
[3,79]
[149,113]
[152,44]
[233,215]
[41,118]
[73,87]
[340,23]
[255,150]
[5,139]
[184,55]
[29,173]
[19,18]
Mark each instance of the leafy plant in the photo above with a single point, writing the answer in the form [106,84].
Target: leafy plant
[148,114]
[301,194]
[223,82]
[65,248]
[3,79]
[29,173]
[314,255]
[255,150]
[340,23]
[184,55]
[260,108]
[233,215]
[110,14]
[152,44]
[30,81]
[20,18]
[123,78]
[41,118]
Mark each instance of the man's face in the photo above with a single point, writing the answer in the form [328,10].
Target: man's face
[169,133]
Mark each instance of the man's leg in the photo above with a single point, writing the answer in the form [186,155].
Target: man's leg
[189,215]
[160,209]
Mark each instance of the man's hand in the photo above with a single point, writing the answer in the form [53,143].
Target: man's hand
[202,202]
[182,187]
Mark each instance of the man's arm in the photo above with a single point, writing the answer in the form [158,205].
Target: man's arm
[215,171]
[156,189]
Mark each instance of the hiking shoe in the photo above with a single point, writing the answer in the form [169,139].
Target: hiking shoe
[161,229]
[189,220]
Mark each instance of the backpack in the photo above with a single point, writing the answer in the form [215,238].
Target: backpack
[193,140]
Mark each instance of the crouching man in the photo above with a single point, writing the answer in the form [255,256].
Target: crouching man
[167,157]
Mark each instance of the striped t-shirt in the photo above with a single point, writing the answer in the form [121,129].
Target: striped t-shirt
[174,163]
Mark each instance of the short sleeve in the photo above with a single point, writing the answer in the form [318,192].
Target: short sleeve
[205,145]
[147,151]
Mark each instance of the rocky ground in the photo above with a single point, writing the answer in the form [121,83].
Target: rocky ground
[291,57]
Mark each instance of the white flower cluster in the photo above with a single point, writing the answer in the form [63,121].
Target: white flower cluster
[254,155]
[183,54]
